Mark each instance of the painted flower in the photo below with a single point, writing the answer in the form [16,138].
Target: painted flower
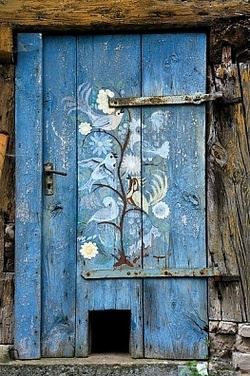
[202,369]
[102,101]
[161,210]
[131,164]
[85,128]
[100,144]
[89,250]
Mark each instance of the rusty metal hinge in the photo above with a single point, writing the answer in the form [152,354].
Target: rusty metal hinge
[212,272]
[197,98]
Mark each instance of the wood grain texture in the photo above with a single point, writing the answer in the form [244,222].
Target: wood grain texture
[59,209]
[234,34]
[6,308]
[173,307]
[118,14]
[107,62]
[228,193]
[6,44]
[28,196]
[6,204]
[3,148]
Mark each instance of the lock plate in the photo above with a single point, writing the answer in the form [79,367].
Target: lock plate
[49,178]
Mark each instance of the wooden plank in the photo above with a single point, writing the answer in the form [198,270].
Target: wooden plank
[4,138]
[6,205]
[112,14]
[107,63]
[228,177]
[59,211]
[28,196]
[174,173]
[6,308]
[6,126]
[6,44]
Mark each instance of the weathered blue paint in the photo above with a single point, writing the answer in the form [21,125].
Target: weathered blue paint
[139,184]
[108,62]
[174,64]
[28,195]
[59,210]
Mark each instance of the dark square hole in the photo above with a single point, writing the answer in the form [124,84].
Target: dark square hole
[109,331]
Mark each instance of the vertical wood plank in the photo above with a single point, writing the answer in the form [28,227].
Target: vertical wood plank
[175,64]
[3,148]
[59,211]
[106,63]
[28,195]
[6,205]
[228,179]
[6,308]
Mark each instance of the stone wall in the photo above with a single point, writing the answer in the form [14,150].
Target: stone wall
[229,348]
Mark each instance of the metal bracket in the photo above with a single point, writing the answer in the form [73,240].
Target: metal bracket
[197,99]
[49,178]
[126,272]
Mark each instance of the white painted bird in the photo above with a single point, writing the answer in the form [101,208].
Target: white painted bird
[162,151]
[109,122]
[108,213]
[105,122]
[103,169]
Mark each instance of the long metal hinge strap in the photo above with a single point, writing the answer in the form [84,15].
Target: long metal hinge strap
[213,272]
[197,98]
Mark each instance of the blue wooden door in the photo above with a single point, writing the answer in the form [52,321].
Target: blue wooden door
[132,203]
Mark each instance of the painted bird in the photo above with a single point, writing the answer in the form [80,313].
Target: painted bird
[108,213]
[162,151]
[105,122]
[159,187]
[134,195]
[103,169]
[109,122]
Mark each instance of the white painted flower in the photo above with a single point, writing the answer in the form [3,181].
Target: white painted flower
[89,250]
[100,143]
[131,164]
[85,128]
[161,210]
[202,369]
[102,101]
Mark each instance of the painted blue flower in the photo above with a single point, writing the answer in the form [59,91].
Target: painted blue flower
[100,144]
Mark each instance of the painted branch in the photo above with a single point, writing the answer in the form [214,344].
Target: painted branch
[109,223]
[98,186]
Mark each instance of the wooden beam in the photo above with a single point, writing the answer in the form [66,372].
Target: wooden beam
[6,44]
[228,193]
[118,14]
